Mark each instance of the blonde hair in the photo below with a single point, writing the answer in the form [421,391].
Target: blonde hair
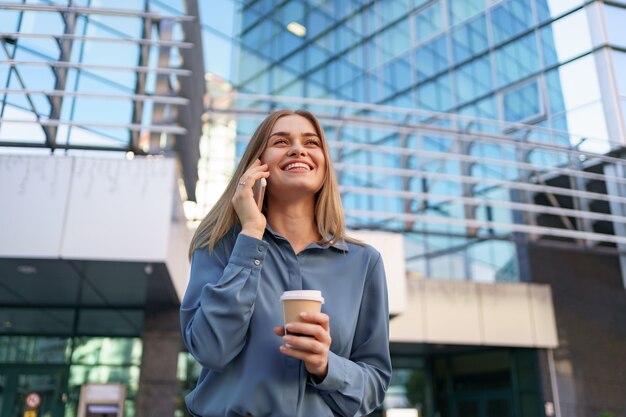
[328,208]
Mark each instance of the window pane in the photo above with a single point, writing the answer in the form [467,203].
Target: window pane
[473,79]
[429,22]
[431,58]
[575,92]
[522,103]
[517,60]
[436,94]
[469,39]
[571,36]
[463,9]
[510,18]
[615,18]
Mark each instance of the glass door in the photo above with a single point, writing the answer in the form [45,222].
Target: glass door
[46,383]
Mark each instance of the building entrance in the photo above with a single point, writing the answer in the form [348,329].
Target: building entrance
[44,387]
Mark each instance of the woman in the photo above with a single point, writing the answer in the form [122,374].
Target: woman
[242,261]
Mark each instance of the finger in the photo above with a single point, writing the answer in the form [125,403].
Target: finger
[306,344]
[279,330]
[254,173]
[314,330]
[319,318]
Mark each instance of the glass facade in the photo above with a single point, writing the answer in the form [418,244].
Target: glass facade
[514,61]
[73,362]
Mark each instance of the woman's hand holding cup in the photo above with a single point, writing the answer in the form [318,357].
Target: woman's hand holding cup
[307,331]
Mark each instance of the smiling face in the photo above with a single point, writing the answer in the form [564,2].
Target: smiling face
[295,158]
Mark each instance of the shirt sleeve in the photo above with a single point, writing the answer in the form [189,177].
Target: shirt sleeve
[356,385]
[219,301]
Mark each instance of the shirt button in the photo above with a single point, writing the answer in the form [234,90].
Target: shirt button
[257,262]
[259,249]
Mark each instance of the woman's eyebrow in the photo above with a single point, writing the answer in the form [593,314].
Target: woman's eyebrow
[288,135]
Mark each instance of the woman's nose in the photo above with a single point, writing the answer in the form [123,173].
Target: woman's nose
[297,149]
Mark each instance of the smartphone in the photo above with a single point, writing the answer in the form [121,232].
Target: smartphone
[258,189]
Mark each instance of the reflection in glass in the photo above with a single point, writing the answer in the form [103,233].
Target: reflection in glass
[431,57]
[522,103]
[510,18]
[106,350]
[429,21]
[31,349]
[436,94]
[473,79]
[469,39]
[463,9]
[516,60]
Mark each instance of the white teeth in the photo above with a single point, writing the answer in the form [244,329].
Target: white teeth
[296,165]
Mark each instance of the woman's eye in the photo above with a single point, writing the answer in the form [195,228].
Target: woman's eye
[313,142]
[280,141]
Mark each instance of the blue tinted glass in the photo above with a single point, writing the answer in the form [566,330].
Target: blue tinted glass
[522,103]
[291,11]
[317,22]
[9,20]
[516,60]
[219,47]
[510,18]
[463,9]
[548,46]
[485,108]
[473,79]
[394,40]
[118,4]
[555,92]
[285,43]
[345,38]
[397,73]
[391,10]
[436,94]
[429,21]
[221,18]
[121,26]
[469,39]
[431,57]
[316,55]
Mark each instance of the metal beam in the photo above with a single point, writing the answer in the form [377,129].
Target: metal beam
[137,41]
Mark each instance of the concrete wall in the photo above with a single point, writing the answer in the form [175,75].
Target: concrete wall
[590,308]
[471,313]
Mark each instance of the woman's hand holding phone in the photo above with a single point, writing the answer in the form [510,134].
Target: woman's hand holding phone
[246,204]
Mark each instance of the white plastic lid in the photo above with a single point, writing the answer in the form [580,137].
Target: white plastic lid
[312,295]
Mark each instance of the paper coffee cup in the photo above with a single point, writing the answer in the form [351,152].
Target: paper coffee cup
[296,302]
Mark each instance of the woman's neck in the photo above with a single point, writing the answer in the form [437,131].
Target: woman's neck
[295,221]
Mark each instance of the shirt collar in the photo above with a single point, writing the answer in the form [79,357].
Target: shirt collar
[340,244]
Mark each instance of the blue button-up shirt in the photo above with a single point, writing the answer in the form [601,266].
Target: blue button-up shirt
[233,302]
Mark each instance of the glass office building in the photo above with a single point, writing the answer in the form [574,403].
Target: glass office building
[487,133]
